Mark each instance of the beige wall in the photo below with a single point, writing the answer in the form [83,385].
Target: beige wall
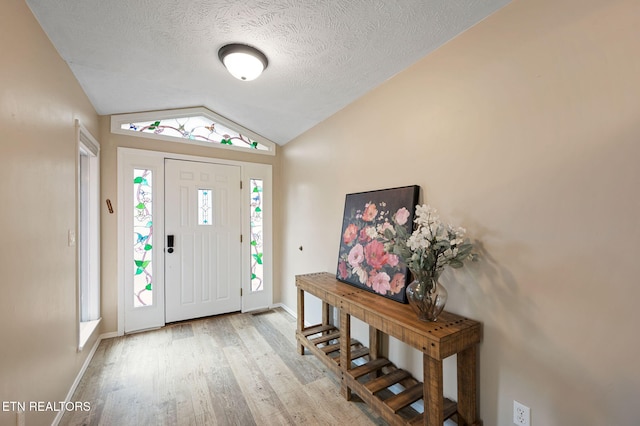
[524,130]
[39,101]
[109,154]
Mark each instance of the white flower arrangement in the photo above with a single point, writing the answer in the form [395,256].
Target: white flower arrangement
[431,246]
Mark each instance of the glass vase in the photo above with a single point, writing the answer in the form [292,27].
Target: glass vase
[427,297]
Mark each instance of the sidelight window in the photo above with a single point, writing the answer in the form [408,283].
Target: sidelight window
[142,238]
[257,270]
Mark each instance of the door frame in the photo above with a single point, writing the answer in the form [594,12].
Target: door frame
[129,156]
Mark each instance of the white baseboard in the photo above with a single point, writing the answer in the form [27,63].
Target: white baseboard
[108,335]
[292,312]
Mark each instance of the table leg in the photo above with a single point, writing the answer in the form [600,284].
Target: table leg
[433,391]
[375,347]
[325,313]
[374,343]
[300,318]
[345,351]
[467,387]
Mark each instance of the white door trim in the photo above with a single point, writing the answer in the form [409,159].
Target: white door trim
[248,171]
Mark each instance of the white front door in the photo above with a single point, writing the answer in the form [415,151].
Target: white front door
[203,262]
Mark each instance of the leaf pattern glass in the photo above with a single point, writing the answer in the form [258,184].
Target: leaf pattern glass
[142,238]
[257,270]
[196,128]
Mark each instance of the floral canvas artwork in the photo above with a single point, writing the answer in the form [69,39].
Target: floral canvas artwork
[363,261]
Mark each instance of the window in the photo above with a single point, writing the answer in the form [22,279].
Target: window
[88,234]
[205,209]
[142,238]
[192,125]
[257,270]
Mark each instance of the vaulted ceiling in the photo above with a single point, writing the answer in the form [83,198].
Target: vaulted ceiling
[142,55]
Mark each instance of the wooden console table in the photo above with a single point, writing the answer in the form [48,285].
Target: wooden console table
[373,375]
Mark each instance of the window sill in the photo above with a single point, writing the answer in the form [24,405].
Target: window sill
[86,330]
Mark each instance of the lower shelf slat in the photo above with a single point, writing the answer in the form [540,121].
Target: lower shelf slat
[404,398]
[450,408]
[359,353]
[387,380]
[317,329]
[336,346]
[369,367]
[325,338]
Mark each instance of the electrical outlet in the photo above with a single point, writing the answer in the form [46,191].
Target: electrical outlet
[521,414]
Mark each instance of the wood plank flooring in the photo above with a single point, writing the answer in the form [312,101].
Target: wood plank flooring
[236,369]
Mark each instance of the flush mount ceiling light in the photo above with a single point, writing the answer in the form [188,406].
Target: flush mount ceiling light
[243,62]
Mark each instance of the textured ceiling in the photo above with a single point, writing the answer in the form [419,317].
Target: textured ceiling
[141,55]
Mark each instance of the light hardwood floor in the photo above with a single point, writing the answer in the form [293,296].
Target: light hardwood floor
[236,369]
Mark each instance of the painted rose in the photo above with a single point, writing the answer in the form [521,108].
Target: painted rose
[363,277]
[379,282]
[342,270]
[397,283]
[375,255]
[393,260]
[350,233]
[402,215]
[370,212]
[356,255]
[364,237]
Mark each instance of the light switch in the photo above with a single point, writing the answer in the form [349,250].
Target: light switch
[72,238]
